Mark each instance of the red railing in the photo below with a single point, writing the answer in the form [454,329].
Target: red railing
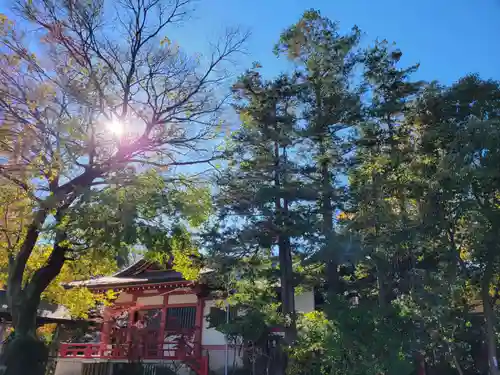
[167,350]
[136,345]
[71,350]
[130,353]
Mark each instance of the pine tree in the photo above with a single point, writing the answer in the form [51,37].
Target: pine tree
[458,130]
[260,193]
[325,62]
[380,182]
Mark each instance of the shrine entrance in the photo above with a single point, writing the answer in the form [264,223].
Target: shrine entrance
[156,332]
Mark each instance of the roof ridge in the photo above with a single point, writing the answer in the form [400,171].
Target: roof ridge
[133,268]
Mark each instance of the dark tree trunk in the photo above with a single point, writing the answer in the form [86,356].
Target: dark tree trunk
[25,354]
[332,263]
[421,364]
[332,257]
[287,288]
[24,312]
[24,301]
[489,320]
[285,255]
[286,264]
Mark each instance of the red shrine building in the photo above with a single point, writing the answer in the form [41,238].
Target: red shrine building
[158,319]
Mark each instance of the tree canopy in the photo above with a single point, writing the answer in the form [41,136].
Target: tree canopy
[102,98]
[382,189]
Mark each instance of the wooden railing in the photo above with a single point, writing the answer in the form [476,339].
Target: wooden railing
[143,345]
[167,350]
[125,352]
[72,350]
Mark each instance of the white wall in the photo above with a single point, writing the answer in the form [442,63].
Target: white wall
[124,297]
[214,341]
[182,298]
[210,336]
[304,303]
[150,300]
[217,359]
[68,367]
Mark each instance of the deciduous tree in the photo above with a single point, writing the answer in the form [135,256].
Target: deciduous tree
[104,93]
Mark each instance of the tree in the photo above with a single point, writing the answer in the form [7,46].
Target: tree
[458,127]
[423,220]
[260,198]
[380,181]
[95,105]
[357,342]
[316,145]
[325,62]
[260,187]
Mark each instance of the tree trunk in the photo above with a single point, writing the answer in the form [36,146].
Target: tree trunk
[24,312]
[286,264]
[382,294]
[489,319]
[332,277]
[24,303]
[287,289]
[457,365]
[284,249]
[332,258]
[25,344]
[421,365]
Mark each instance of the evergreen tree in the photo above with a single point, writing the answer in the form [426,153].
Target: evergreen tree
[458,128]
[325,62]
[260,193]
[381,181]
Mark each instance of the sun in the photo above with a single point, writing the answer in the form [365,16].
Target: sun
[116,127]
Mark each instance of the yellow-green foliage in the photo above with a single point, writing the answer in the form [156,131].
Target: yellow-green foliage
[77,300]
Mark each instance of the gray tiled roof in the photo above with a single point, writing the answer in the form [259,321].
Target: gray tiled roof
[141,272]
[46,311]
[114,280]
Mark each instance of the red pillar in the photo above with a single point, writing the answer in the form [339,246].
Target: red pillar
[163,325]
[131,323]
[105,331]
[200,305]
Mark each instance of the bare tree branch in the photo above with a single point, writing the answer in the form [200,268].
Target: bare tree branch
[59,105]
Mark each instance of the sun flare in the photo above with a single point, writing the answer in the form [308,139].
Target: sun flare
[115,127]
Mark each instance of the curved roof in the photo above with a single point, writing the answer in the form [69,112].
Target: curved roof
[140,273]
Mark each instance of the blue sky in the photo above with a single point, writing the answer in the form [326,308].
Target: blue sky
[448,37]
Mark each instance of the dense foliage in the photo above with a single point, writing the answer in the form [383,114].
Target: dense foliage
[379,191]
